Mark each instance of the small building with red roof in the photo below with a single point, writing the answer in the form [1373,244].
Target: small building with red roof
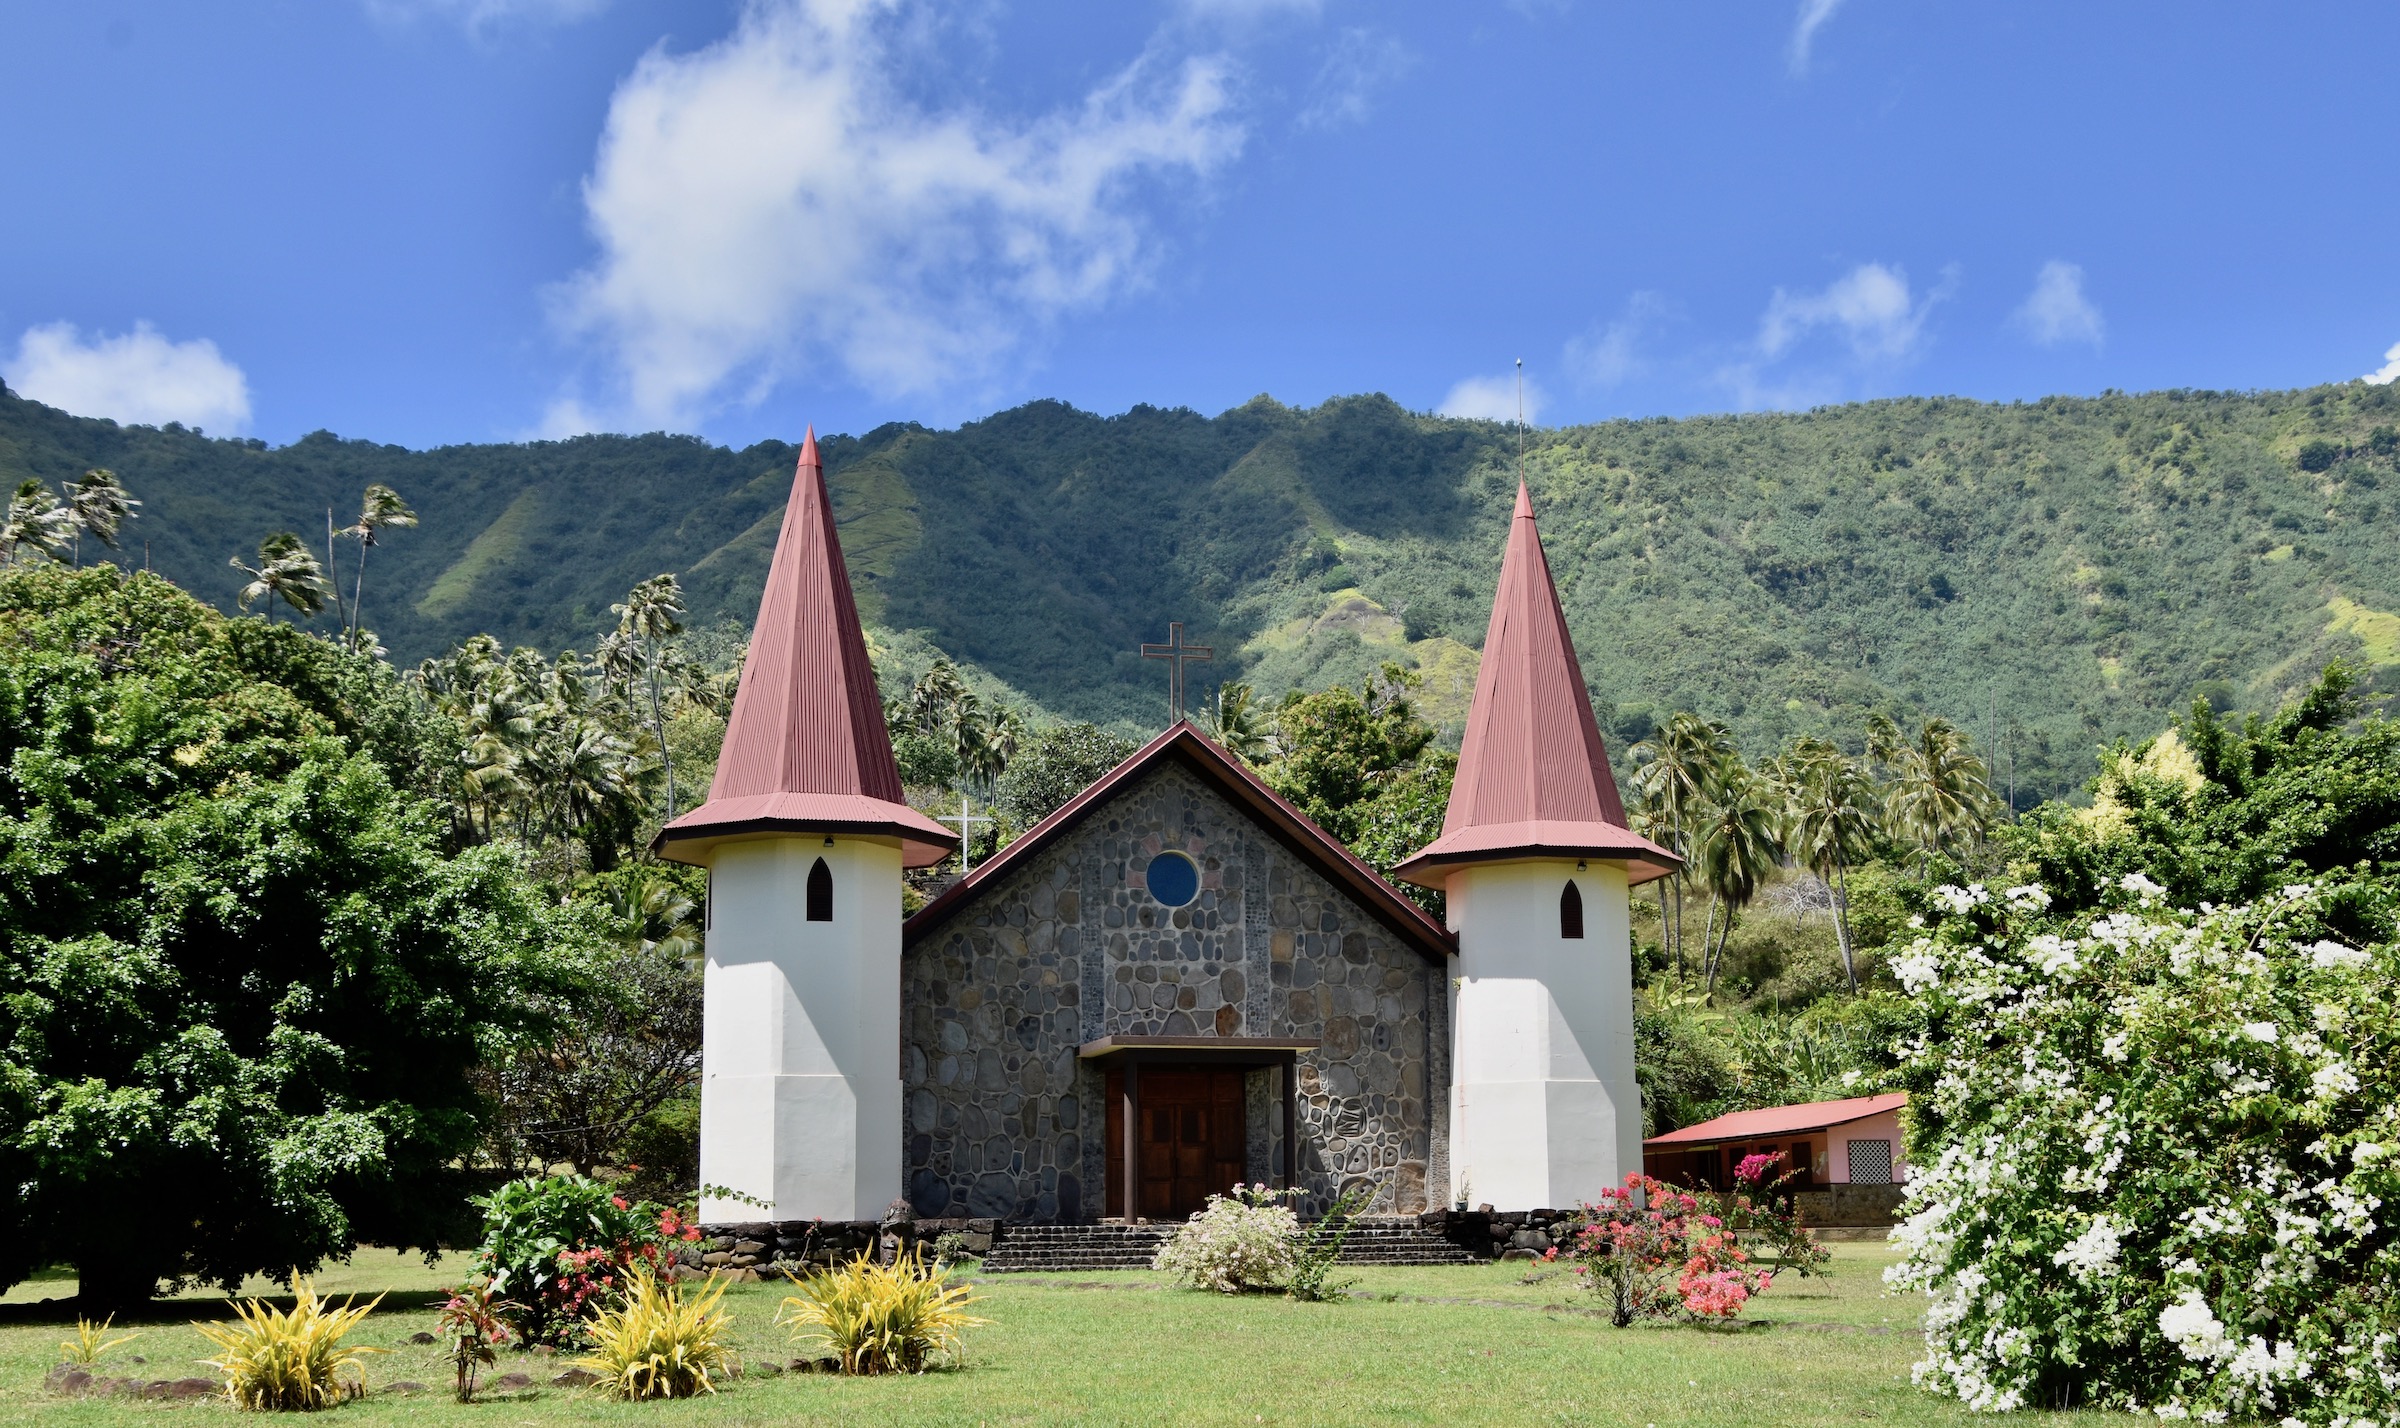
[1856,1141]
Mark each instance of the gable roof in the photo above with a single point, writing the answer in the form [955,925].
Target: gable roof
[1782,1120]
[1188,748]
[806,750]
[1533,777]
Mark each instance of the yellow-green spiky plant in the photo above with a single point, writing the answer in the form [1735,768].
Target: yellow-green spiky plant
[877,1318]
[91,1341]
[654,1343]
[295,1361]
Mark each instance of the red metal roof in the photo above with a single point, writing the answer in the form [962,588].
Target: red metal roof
[1232,777]
[1533,779]
[806,749]
[1782,1120]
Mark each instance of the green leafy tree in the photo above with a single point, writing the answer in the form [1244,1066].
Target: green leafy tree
[1336,748]
[1054,766]
[243,979]
[2221,812]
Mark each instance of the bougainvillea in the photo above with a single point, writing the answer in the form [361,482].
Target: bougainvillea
[2156,1152]
[1653,1249]
[1247,1240]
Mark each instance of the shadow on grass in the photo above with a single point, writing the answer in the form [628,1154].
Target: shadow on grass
[184,1310]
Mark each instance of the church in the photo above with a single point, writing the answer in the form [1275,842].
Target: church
[1174,983]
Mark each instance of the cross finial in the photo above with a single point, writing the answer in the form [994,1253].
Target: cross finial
[966,818]
[1176,653]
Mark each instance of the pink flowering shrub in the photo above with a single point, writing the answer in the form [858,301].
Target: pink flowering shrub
[1654,1250]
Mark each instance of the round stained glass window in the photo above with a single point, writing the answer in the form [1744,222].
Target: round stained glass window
[1173,879]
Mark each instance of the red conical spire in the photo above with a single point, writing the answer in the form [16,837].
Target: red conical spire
[806,750]
[1533,778]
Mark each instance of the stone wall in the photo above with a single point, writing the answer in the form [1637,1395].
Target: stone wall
[1003,1118]
[760,1245]
[1851,1205]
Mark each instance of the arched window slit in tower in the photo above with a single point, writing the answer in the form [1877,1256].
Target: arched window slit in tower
[1570,911]
[820,893]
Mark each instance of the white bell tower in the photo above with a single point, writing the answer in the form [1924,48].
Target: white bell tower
[1537,865]
[804,834]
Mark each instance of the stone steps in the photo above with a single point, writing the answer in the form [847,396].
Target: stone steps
[1018,1249]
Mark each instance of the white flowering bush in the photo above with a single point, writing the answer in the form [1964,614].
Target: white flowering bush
[2157,1156]
[1247,1240]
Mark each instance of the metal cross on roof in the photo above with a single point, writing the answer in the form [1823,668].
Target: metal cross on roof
[1176,653]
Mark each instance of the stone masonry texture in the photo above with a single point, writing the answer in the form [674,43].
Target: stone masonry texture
[1004,1120]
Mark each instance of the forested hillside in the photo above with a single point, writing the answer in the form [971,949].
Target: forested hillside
[2062,572]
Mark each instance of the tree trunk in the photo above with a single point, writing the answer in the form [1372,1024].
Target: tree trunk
[658,721]
[358,593]
[1708,934]
[1841,921]
[333,578]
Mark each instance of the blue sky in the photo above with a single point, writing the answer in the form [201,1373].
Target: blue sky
[429,221]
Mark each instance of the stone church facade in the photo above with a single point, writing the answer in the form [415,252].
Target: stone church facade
[1024,984]
[1172,985]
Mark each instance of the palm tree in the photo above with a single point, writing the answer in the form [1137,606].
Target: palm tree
[287,570]
[1234,722]
[1834,818]
[1940,794]
[657,915]
[933,701]
[382,509]
[1740,837]
[98,504]
[1678,772]
[36,526]
[653,614]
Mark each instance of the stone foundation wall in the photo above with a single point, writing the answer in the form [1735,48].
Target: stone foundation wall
[1004,1120]
[1853,1206]
[760,1244]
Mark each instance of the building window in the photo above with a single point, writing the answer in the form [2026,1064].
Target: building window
[1570,911]
[1870,1162]
[1173,879]
[820,893]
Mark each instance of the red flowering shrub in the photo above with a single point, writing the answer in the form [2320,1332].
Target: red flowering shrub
[560,1248]
[1654,1249]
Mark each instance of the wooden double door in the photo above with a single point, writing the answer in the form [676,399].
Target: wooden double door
[1190,1143]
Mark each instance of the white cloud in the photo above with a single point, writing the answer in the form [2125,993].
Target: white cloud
[2056,310]
[1611,354]
[2390,370]
[1870,305]
[482,16]
[1491,399]
[1361,63]
[774,202]
[138,377]
[1812,17]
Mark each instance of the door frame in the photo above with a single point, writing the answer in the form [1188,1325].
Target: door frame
[1130,1053]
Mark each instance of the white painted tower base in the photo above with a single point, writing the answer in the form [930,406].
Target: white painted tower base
[1544,1111]
[800,1070]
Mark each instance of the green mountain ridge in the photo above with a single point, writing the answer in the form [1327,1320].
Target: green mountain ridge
[2056,573]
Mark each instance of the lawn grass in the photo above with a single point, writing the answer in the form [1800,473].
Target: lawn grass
[1452,1345]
